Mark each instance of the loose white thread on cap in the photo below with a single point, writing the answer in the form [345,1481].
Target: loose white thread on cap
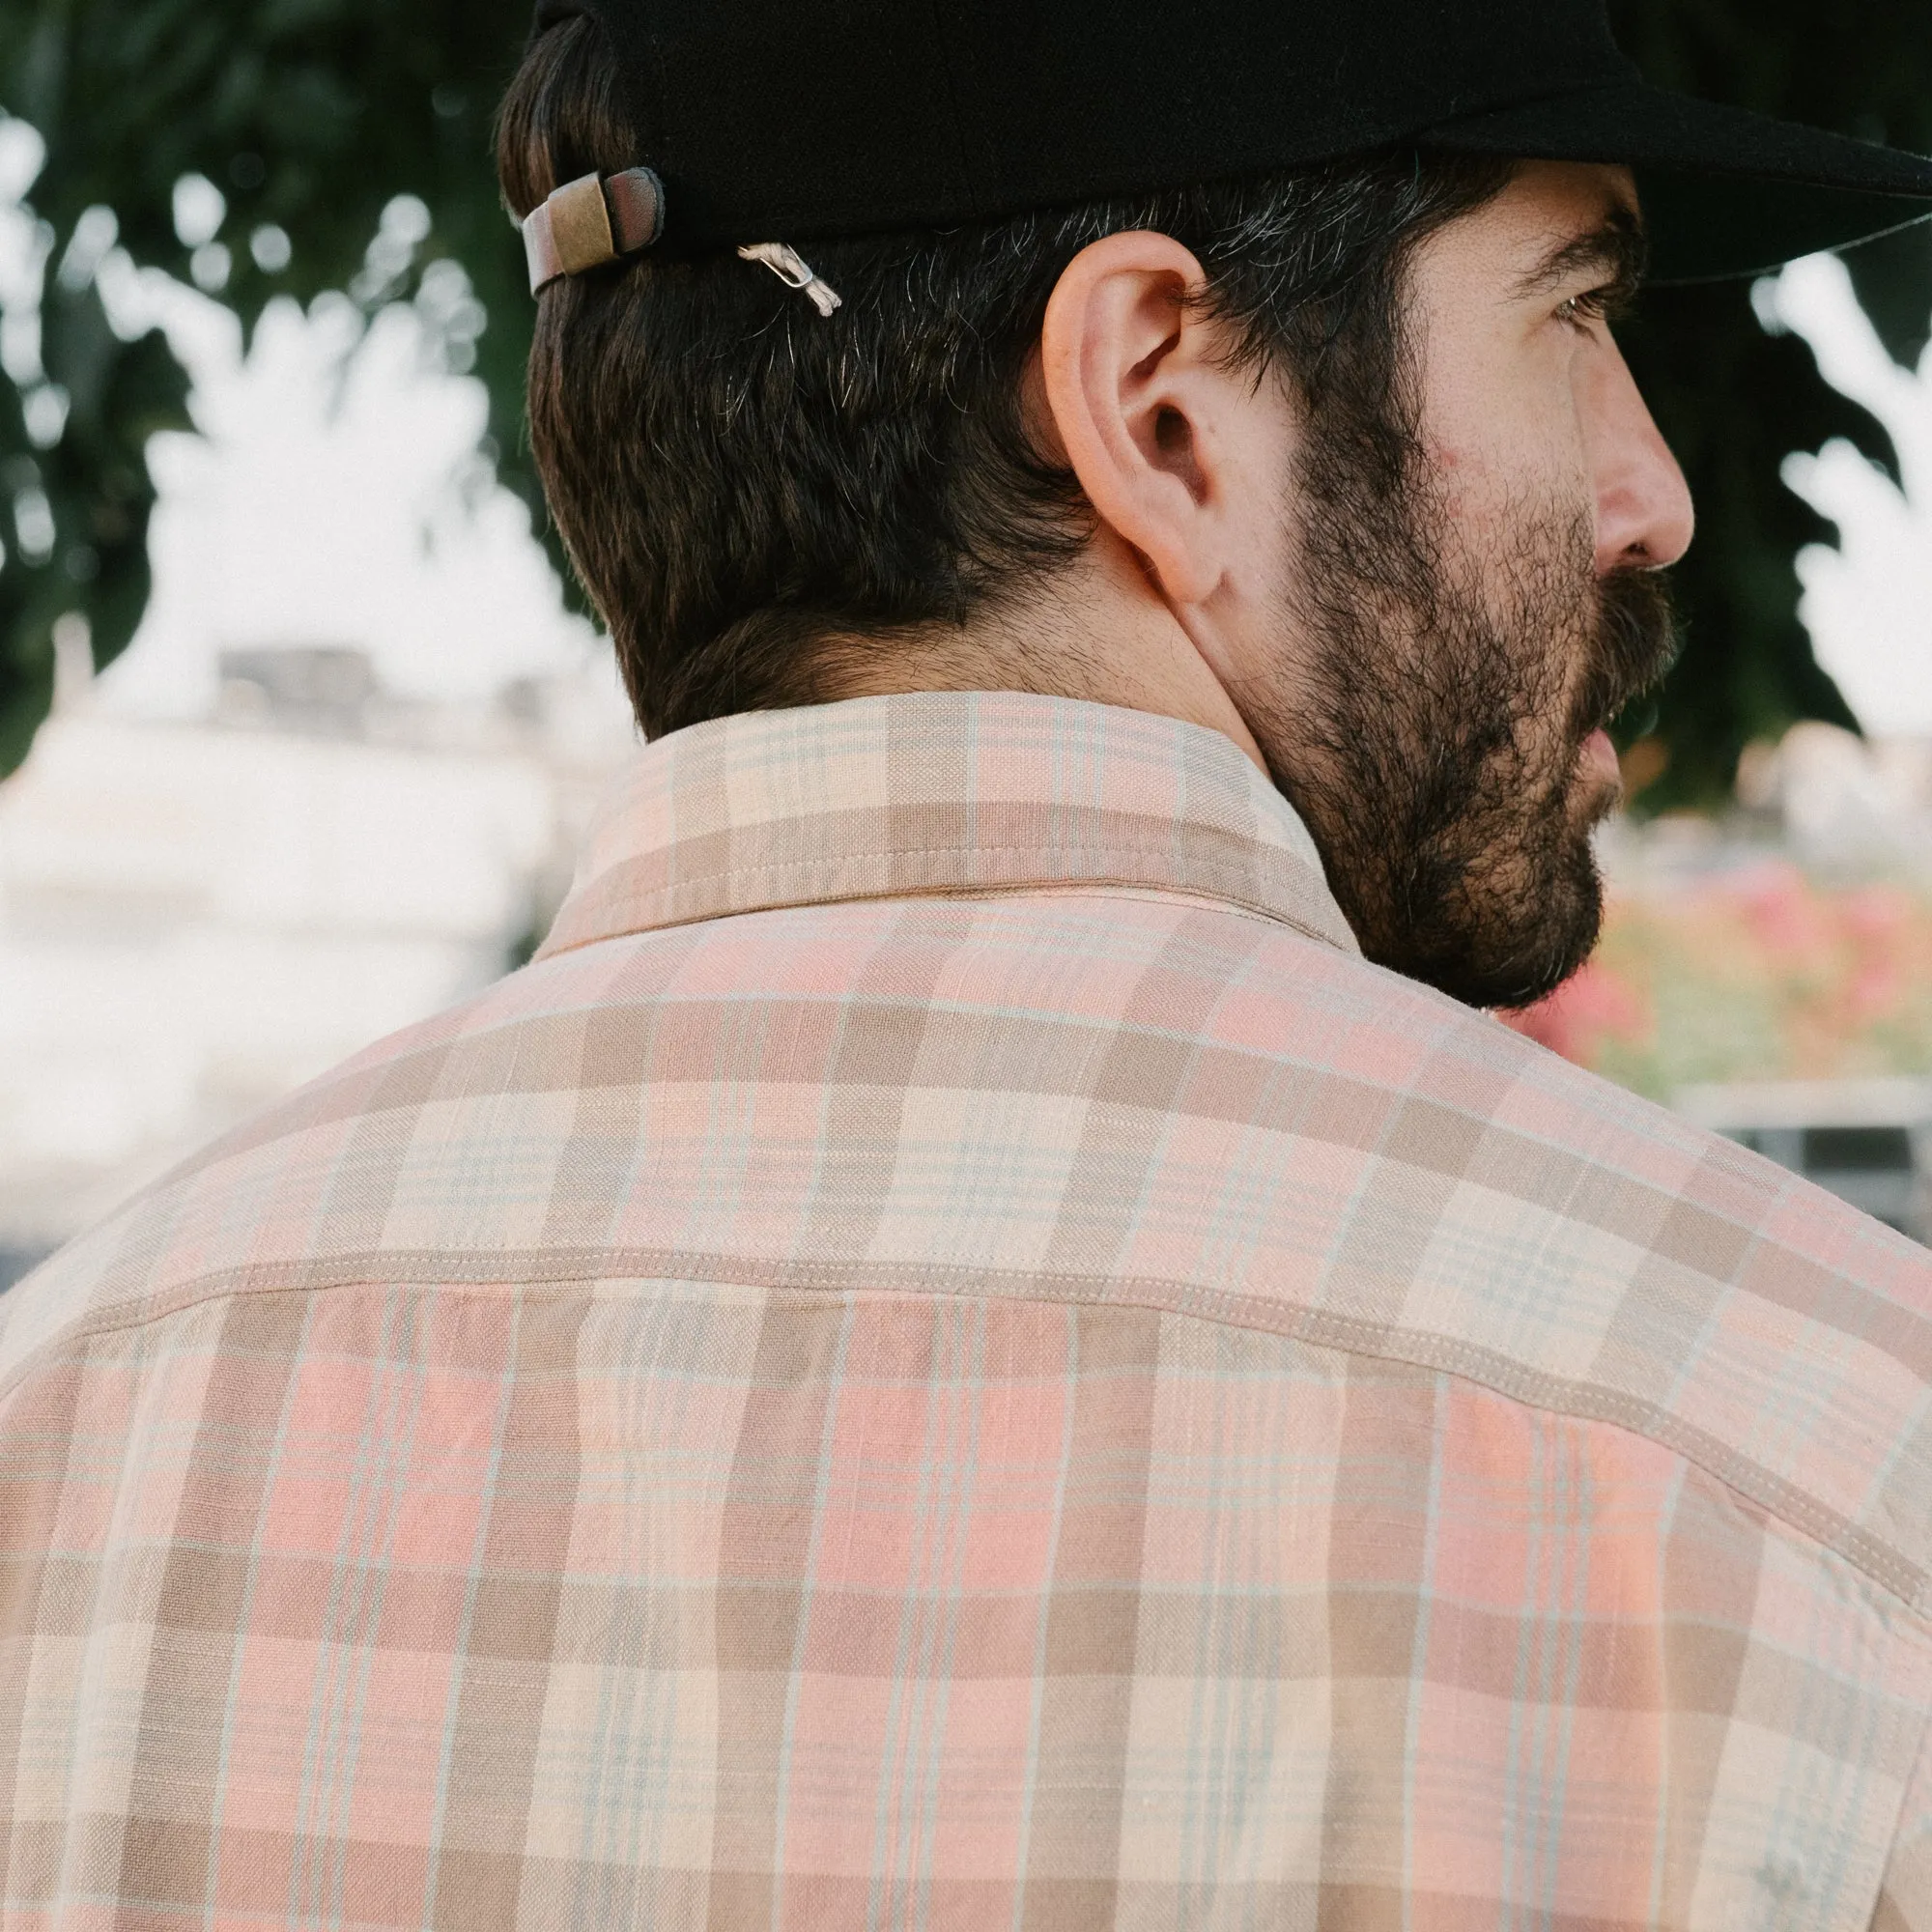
[795,272]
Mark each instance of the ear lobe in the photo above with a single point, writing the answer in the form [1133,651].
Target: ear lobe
[1128,371]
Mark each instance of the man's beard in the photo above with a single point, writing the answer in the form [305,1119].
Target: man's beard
[1435,751]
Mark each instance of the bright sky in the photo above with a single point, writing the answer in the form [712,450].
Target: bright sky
[1867,599]
[333,491]
[333,494]
[334,497]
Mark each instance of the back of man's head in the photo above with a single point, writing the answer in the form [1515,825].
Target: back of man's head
[764,501]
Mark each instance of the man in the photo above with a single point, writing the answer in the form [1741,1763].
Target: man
[991,1337]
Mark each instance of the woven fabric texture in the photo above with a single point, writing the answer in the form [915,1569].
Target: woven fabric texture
[951,1356]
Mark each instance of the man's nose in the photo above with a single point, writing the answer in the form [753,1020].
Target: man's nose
[1644,514]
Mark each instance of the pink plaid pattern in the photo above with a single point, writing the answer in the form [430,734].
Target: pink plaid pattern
[951,1356]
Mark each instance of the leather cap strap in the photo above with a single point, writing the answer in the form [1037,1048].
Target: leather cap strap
[592,221]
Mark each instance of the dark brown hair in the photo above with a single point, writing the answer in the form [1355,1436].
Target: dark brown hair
[748,489]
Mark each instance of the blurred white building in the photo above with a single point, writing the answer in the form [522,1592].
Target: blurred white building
[196,916]
[337,783]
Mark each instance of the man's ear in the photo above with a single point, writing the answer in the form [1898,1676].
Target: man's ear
[1136,394]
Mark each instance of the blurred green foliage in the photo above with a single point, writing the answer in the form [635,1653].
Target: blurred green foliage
[309,116]
[1734,401]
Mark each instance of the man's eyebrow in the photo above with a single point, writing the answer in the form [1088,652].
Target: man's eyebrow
[1617,249]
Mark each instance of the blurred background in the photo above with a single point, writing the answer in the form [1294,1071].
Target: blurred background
[300,720]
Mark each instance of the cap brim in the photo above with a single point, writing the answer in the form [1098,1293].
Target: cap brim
[1726,192]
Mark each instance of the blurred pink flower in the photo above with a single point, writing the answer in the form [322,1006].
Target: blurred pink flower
[1759,975]
[1877,913]
[1576,1020]
[1791,925]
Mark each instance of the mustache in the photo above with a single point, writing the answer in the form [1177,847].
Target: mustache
[1636,644]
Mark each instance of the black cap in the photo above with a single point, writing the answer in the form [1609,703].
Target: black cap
[798,120]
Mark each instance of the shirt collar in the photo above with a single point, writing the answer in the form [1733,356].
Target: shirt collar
[938,792]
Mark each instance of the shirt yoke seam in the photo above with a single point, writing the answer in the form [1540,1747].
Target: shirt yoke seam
[1879,1562]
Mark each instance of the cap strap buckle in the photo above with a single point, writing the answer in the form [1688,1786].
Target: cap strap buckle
[591,221]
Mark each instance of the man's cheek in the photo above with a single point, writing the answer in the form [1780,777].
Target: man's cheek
[1479,498]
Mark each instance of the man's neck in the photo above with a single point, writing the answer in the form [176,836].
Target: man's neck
[1096,632]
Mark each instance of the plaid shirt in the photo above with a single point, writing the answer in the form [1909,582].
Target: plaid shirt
[951,1356]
